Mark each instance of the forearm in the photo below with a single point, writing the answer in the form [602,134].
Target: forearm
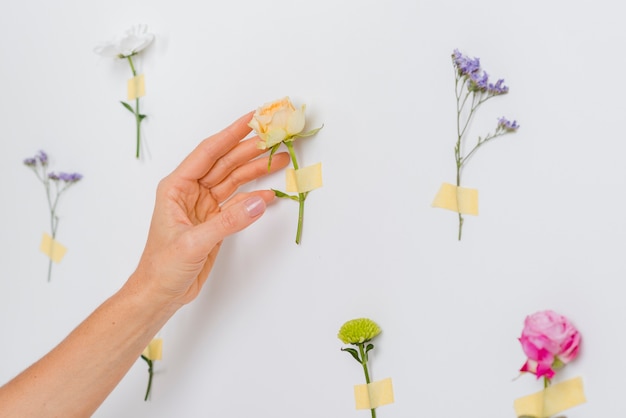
[76,376]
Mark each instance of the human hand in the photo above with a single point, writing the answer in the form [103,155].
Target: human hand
[193,212]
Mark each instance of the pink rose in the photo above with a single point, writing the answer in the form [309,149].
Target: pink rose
[549,341]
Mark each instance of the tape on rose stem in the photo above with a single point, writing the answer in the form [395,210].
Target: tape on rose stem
[552,400]
[304,179]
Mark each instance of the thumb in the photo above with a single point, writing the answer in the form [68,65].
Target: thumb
[232,219]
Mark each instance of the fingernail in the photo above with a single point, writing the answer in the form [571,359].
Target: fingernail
[254,206]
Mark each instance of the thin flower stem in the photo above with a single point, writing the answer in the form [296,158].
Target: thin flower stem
[137,114]
[138,121]
[301,196]
[367,375]
[487,138]
[150,373]
[478,98]
[54,220]
[132,66]
[546,382]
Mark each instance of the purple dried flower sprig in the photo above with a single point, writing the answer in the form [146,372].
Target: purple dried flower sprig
[477,79]
[472,89]
[41,158]
[61,180]
[507,125]
[65,177]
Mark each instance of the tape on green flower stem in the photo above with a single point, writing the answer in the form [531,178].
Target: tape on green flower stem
[457,199]
[304,179]
[154,350]
[136,87]
[52,248]
[552,400]
[373,395]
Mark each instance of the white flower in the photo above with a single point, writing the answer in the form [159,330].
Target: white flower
[134,40]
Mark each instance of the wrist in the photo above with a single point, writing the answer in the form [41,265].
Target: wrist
[146,291]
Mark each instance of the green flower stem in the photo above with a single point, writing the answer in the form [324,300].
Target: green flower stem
[54,219]
[301,196]
[476,101]
[367,375]
[151,373]
[546,382]
[137,114]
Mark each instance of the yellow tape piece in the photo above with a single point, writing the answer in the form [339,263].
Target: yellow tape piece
[373,395]
[304,179]
[154,350]
[136,87]
[457,199]
[52,248]
[548,402]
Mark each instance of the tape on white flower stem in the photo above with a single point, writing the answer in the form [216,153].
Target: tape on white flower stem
[552,400]
[136,87]
[304,179]
[52,248]
[457,199]
[154,350]
[375,394]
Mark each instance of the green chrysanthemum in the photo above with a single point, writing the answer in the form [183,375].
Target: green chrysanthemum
[357,331]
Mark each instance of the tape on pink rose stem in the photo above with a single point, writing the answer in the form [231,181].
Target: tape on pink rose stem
[52,248]
[304,179]
[136,87]
[552,400]
[457,199]
[375,394]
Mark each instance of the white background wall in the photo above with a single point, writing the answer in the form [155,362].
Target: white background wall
[261,338]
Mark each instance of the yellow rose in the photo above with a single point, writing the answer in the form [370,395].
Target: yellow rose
[276,122]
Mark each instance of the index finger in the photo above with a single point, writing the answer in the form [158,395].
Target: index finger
[200,161]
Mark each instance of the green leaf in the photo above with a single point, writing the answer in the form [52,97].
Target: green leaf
[142,117]
[129,107]
[354,353]
[367,349]
[309,133]
[272,152]
[280,194]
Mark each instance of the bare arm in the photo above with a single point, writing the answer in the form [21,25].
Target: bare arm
[194,212]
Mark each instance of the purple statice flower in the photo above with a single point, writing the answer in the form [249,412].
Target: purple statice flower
[465,65]
[507,125]
[65,177]
[480,81]
[31,162]
[498,88]
[42,157]
[469,68]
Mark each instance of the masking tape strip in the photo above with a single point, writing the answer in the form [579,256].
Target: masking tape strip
[457,199]
[136,87]
[304,179]
[154,350]
[373,395]
[551,401]
[52,248]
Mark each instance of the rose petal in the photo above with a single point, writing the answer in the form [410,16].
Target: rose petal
[274,136]
[296,121]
